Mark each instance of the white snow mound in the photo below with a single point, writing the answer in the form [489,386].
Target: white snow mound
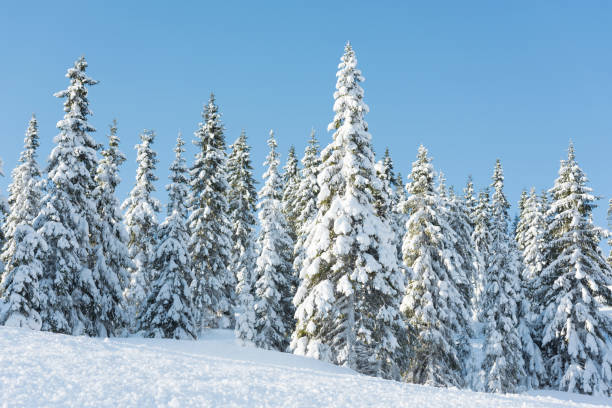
[49,370]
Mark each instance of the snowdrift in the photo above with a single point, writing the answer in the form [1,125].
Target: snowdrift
[50,370]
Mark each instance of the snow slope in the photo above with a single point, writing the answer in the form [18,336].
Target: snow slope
[43,369]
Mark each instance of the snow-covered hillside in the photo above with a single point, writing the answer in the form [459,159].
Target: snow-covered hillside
[40,369]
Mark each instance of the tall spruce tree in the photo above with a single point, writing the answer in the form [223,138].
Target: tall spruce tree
[273,273]
[25,191]
[19,286]
[432,304]
[291,183]
[503,366]
[462,254]
[469,200]
[69,214]
[468,203]
[347,302]
[387,202]
[402,216]
[213,287]
[529,238]
[530,235]
[571,289]
[112,258]
[481,237]
[242,198]
[386,198]
[290,187]
[168,311]
[306,202]
[141,210]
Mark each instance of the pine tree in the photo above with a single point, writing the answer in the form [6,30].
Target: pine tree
[273,273]
[386,198]
[168,311]
[291,182]
[469,200]
[20,295]
[347,302]
[19,287]
[306,202]
[210,247]
[25,191]
[481,237]
[387,202]
[402,217]
[463,254]
[70,293]
[503,365]
[534,366]
[112,258]
[290,187]
[241,199]
[432,304]
[530,235]
[572,287]
[141,210]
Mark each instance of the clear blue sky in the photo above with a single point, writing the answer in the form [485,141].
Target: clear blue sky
[472,80]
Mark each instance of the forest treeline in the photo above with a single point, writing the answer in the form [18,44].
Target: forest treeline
[336,257]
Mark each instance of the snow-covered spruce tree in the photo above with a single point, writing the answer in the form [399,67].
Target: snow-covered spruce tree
[241,199]
[168,311]
[387,200]
[213,288]
[291,183]
[70,293]
[469,200]
[432,304]
[20,293]
[112,258]
[25,191]
[503,367]
[273,273]
[469,203]
[530,235]
[347,302]
[532,356]
[571,289]
[402,217]
[290,187]
[306,202]
[463,254]
[481,237]
[141,210]
[19,288]
[519,226]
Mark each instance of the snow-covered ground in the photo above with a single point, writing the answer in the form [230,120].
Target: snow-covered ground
[43,369]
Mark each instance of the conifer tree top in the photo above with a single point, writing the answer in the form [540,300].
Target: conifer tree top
[349,105]
[273,185]
[112,158]
[31,142]
[178,189]
[211,128]
[76,105]
[422,175]
[312,150]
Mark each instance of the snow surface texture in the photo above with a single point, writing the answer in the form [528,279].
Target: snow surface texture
[39,369]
